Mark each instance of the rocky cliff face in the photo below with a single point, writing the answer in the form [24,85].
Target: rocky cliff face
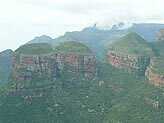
[48,64]
[34,71]
[132,64]
[155,71]
[131,53]
[84,65]
[26,67]
[161,35]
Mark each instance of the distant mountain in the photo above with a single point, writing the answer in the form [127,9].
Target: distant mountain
[43,39]
[96,39]
[6,58]
[147,30]
[54,86]
[99,40]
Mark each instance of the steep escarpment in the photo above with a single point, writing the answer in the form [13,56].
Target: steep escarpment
[33,60]
[34,68]
[131,53]
[132,64]
[33,63]
[76,58]
[155,71]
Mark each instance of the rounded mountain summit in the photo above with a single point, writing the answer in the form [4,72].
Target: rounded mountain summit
[35,49]
[133,44]
[73,47]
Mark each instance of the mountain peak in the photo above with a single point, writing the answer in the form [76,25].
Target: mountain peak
[134,44]
[42,39]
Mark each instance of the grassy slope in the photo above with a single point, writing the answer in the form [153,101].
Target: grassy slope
[158,48]
[158,65]
[5,65]
[75,98]
[74,48]
[133,44]
[36,48]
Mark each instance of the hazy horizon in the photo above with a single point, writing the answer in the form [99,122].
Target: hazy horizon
[22,20]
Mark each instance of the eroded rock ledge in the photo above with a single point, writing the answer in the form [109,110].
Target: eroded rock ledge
[155,70]
[132,64]
[26,67]
[84,65]
[31,64]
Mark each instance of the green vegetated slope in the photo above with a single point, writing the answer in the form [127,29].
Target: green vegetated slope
[73,48]
[113,97]
[6,58]
[35,49]
[158,61]
[158,65]
[158,48]
[133,44]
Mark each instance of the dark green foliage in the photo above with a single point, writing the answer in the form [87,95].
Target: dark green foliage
[35,49]
[112,97]
[158,61]
[120,98]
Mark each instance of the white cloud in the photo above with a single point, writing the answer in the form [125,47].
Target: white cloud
[20,20]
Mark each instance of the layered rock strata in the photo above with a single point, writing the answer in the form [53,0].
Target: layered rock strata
[155,71]
[132,64]
[31,65]
[26,67]
[34,71]
[84,65]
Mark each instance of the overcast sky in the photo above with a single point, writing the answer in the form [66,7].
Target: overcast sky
[22,20]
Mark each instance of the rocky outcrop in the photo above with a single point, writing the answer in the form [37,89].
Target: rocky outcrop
[131,53]
[26,67]
[84,65]
[155,72]
[45,63]
[161,35]
[132,64]
[36,66]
